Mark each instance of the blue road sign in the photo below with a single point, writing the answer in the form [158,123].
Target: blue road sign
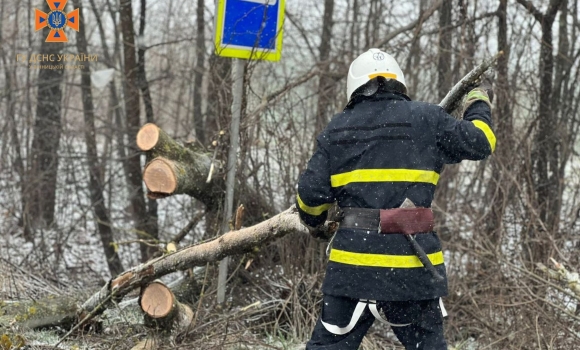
[250,29]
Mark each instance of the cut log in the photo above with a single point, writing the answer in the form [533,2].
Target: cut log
[160,176]
[157,301]
[176,169]
[156,142]
[162,309]
[164,176]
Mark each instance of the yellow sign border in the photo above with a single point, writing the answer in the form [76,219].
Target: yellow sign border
[249,53]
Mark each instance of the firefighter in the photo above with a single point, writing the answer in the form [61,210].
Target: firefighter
[381,151]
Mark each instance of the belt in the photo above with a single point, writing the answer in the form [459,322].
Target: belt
[399,220]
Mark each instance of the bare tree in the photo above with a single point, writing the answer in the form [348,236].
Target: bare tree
[151,224]
[198,122]
[501,162]
[95,168]
[40,194]
[138,205]
[444,76]
[325,83]
[546,150]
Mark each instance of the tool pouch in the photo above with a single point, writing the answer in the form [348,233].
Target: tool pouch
[406,220]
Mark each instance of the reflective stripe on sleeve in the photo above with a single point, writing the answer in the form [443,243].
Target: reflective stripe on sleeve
[315,211]
[384,175]
[382,260]
[487,131]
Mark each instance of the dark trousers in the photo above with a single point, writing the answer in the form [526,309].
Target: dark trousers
[424,332]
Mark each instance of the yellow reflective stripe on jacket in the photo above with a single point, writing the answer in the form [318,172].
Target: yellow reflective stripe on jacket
[487,131]
[384,175]
[312,210]
[382,260]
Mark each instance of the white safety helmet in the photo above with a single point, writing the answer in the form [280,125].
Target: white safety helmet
[371,64]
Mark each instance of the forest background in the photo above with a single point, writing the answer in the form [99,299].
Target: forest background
[74,211]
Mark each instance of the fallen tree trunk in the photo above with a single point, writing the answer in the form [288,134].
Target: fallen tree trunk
[42,313]
[231,243]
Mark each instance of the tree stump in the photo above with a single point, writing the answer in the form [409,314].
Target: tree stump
[162,310]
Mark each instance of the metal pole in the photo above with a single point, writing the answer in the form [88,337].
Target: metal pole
[237,92]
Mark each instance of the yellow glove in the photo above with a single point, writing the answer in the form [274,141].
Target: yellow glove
[477,94]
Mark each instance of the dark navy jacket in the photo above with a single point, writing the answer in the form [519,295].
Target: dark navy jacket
[377,152]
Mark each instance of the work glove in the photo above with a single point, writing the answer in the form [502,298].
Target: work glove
[318,232]
[476,94]
[481,90]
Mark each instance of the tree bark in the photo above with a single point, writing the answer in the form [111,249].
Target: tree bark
[546,154]
[444,76]
[219,95]
[198,75]
[501,162]
[42,313]
[325,83]
[444,73]
[18,163]
[138,206]
[115,104]
[455,95]
[152,223]
[95,185]
[42,179]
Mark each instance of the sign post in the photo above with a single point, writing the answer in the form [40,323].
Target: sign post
[245,29]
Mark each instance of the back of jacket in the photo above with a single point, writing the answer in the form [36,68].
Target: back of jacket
[374,154]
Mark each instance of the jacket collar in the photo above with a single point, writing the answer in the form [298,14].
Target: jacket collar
[379,96]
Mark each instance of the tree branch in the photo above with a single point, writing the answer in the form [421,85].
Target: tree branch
[409,26]
[532,10]
[451,100]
